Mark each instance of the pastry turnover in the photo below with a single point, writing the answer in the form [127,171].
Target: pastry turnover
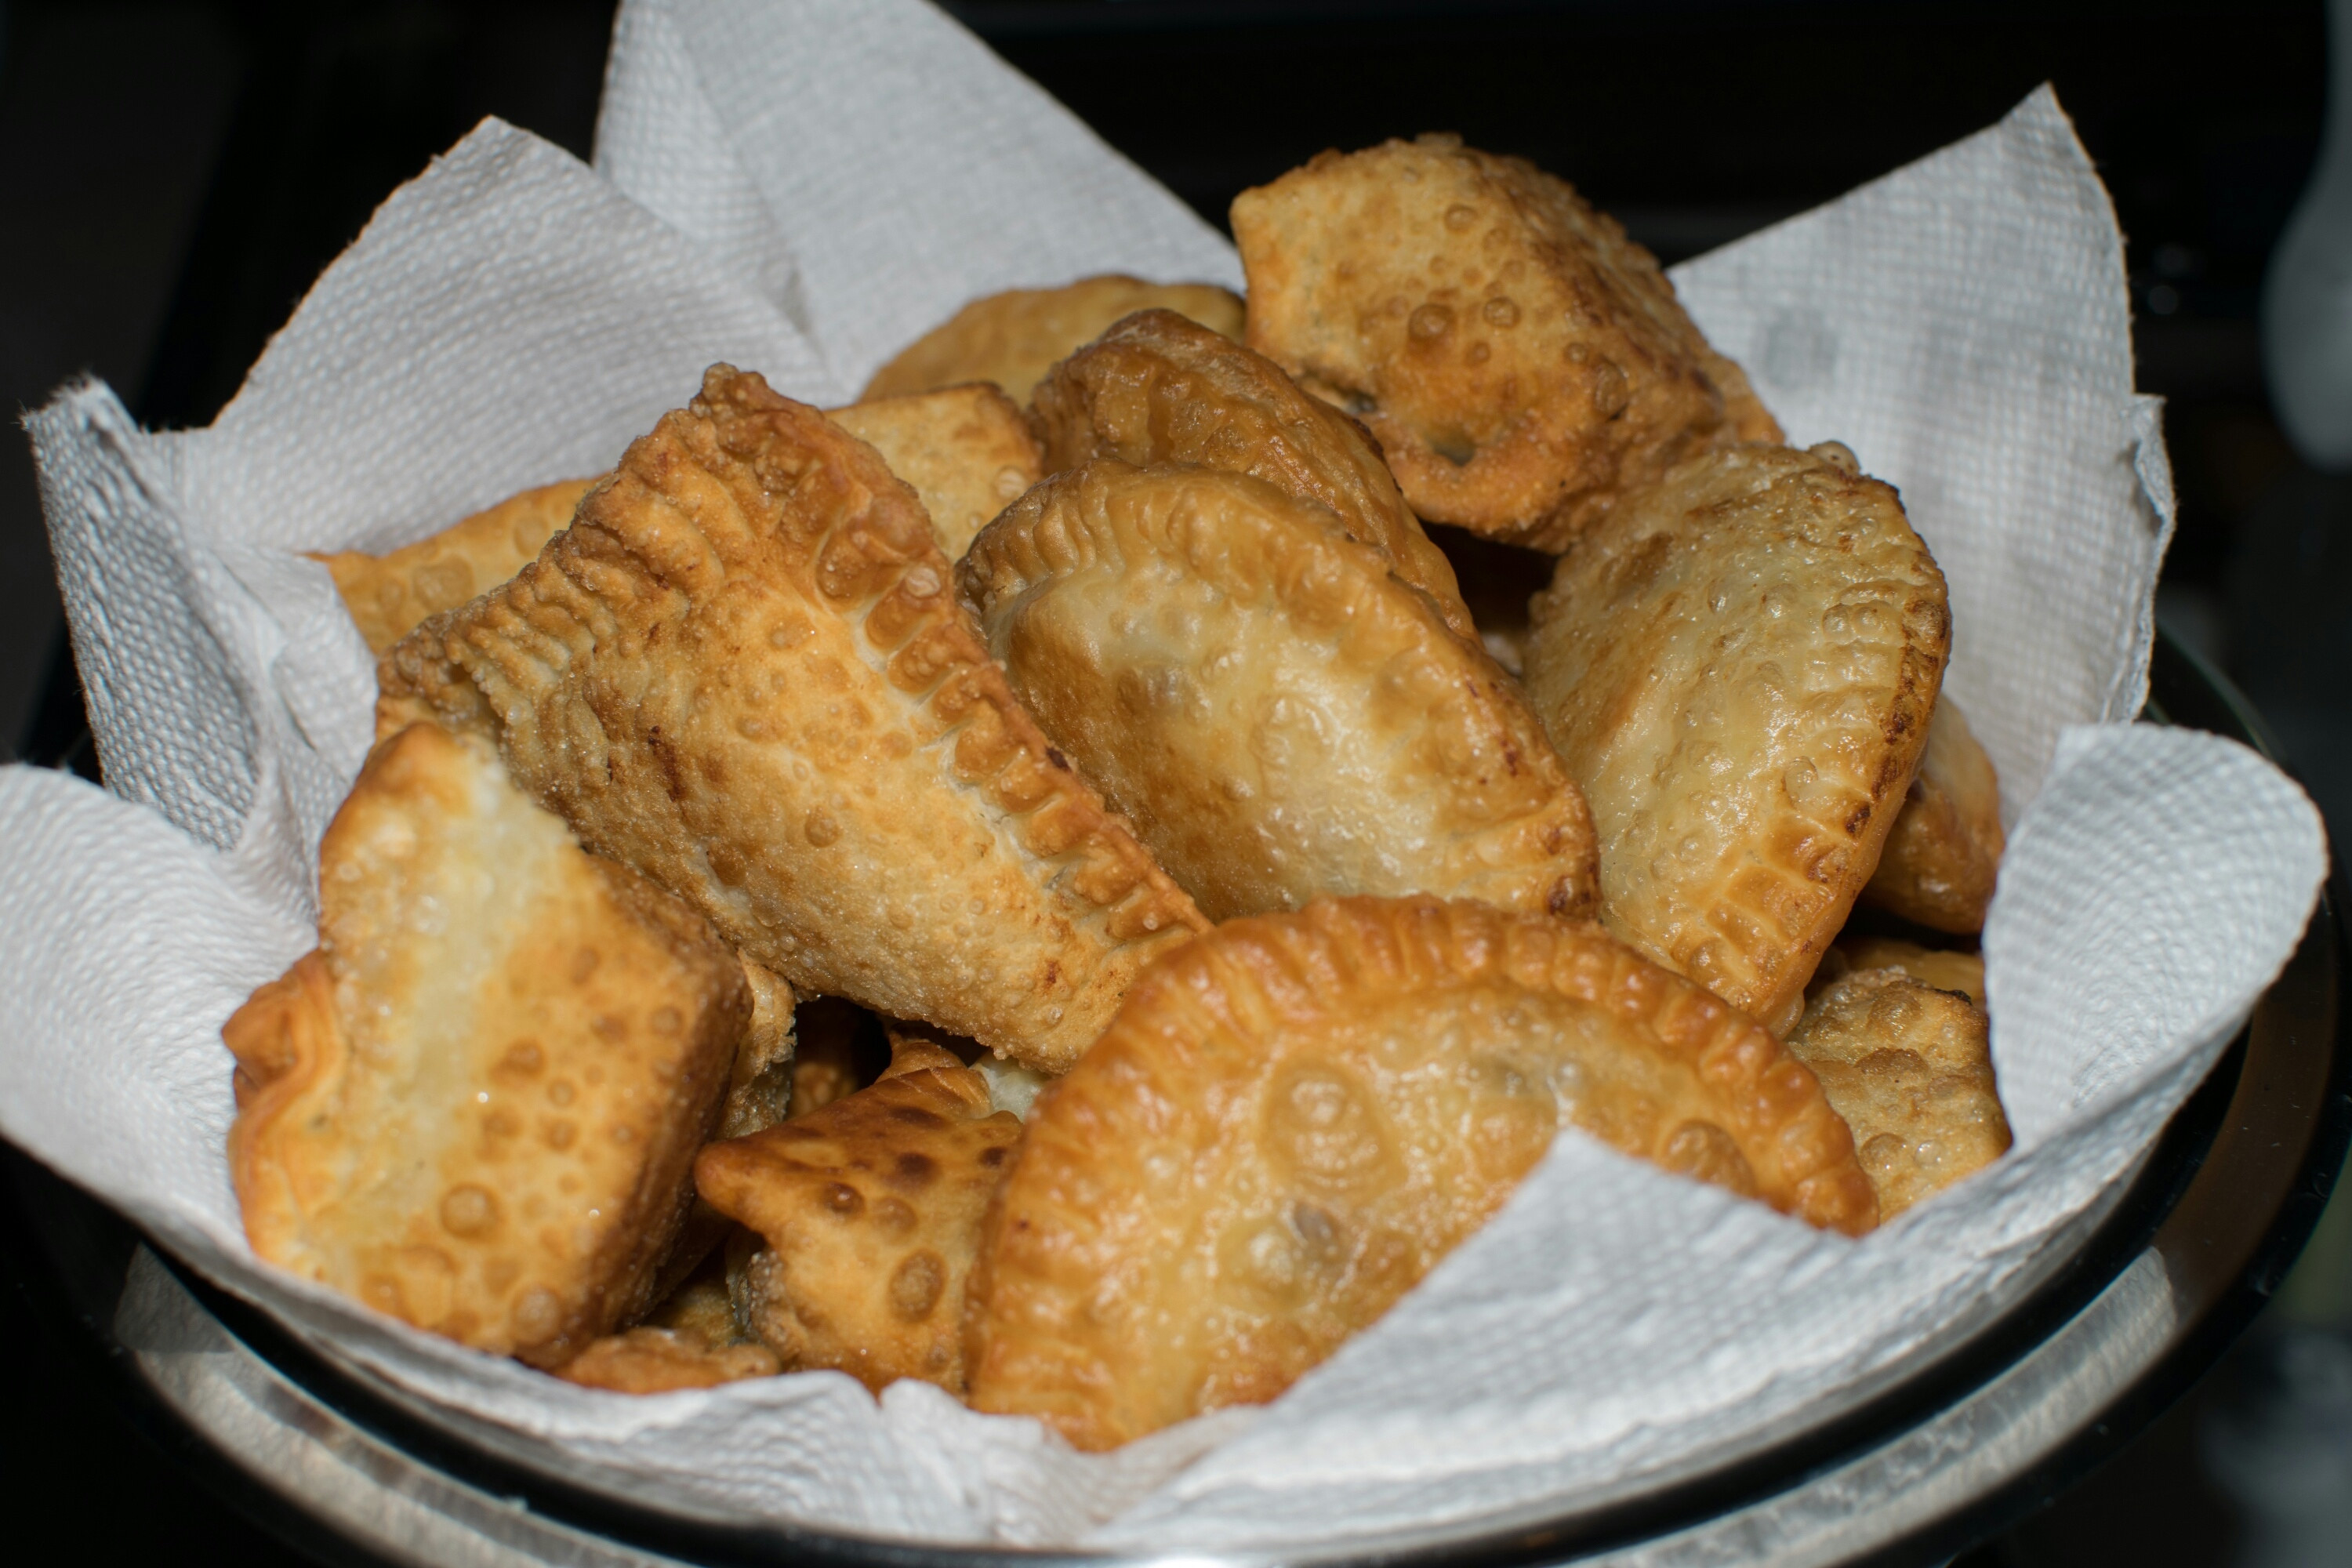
[1944,851]
[1910,1069]
[1737,665]
[1960,972]
[1522,362]
[742,671]
[966,449]
[1157,388]
[1293,1119]
[689,1340]
[1277,714]
[475,1105]
[389,595]
[870,1214]
[1014,338]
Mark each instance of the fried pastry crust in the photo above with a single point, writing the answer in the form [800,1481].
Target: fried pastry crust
[1960,972]
[1521,362]
[1276,714]
[1293,1119]
[1910,1069]
[1738,665]
[688,1340]
[476,1106]
[1157,388]
[966,449]
[1014,338]
[741,671]
[871,1213]
[389,595]
[1944,851]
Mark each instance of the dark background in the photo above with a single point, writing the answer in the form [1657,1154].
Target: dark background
[173,176]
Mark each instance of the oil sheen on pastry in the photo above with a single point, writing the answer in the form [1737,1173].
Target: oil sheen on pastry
[1014,338]
[1522,362]
[742,671]
[1157,388]
[1738,665]
[966,449]
[870,1213]
[1277,714]
[1294,1119]
[388,595]
[475,1107]
[1910,1069]
[1944,851]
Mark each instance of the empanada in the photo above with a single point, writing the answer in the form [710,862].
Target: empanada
[1521,362]
[1737,665]
[689,1340]
[1910,1069]
[742,671]
[388,595]
[1944,851]
[1014,338]
[1293,1119]
[966,449]
[1277,714]
[1960,972]
[475,1107]
[871,1211]
[1157,388]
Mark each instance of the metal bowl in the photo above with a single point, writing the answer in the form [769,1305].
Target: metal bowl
[2144,1296]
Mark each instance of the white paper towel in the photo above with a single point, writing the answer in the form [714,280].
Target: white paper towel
[817,183]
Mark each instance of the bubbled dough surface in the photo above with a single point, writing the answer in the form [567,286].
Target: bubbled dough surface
[966,450]
[742,673]
[1278,716]
[871,1211]
[521,1047]
[1738,669]
[388,595]
[1293,1121]
[1910,1069]
[1157,388]
[1014,338]
[1944,852]
[1522,362]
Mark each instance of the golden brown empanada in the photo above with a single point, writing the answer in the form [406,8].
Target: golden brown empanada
[1291,1121]
[871,1211]
[1277,714]
[1521,362]
[1737,665]
[966,449]
[1961,972]
[741,670]
[1014,338]
[389,595]
[1910,1069]
[475,1107]
[1157,388]
[1944,851]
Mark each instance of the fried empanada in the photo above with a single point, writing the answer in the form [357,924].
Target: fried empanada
[870,1210]
[475,1107]
[1276,714]
[1910,1069]
[1944,851]
[966,449]
[389,595]
[1961,972]
[1737,665]
[1014,338]
[1521,362]
[1291,1121]
[689,1340]
[742,671]
[1157,388]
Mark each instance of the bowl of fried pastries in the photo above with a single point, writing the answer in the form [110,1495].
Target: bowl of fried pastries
[1047,900]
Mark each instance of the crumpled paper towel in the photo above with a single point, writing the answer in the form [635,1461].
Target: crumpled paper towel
[813,184]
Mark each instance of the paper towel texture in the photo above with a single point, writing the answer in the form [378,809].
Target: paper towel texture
[817,183]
